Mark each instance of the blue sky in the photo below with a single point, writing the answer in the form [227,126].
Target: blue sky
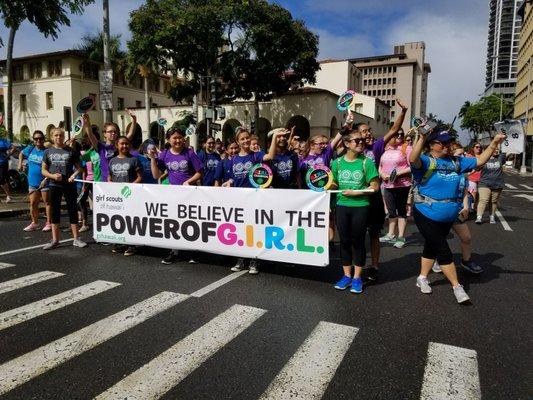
[455,33]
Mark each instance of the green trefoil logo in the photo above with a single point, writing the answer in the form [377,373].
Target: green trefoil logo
[125,191]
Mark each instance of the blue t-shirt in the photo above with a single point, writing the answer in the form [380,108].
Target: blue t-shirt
[446,182]
[284,168]
[35,161]
[146,165]
[223,172]
[5,145]
[210,162]
[241,165]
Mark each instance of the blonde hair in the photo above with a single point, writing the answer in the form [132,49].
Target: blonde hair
[57,129]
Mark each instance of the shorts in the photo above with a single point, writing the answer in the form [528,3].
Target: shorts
[32,189]
[3,173]
[376,214]
[396,201]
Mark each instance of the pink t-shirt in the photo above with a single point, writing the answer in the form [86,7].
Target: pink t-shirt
[393,158]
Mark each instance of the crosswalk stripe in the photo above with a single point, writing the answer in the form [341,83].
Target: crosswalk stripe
[309,371]
[215,285]
[504,223]
[508,185]
[27,280]
[165,371]
[30,365]
[6,265]
[451,373]
[526,187]
[44,306]
[37,246]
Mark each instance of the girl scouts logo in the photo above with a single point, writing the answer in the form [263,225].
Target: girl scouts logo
[319,178]
[260,176]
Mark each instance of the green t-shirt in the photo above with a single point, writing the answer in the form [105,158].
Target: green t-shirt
[92,156]
[350,175]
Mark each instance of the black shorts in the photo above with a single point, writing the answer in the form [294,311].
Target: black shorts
[396,200]
[4,167]
[376,214]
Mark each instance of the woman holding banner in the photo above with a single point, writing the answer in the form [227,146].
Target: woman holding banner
[210,160]
[357,178]
[183,167]
[438,200]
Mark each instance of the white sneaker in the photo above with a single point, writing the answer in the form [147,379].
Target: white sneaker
[423,284]
[479,220]
[84,228]
[79,243]
[436,267]
[239,266]
[460,294]
[492,220]
[51,245]
[8,199]
[253,267]
[31,227]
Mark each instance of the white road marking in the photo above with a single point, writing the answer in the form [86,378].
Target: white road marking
[527,187]
[27,280]
[5,253]
[161,374]
[505,225]
[30,365]
[525,196]
[451,373]
[309,371]
[6,265]
[215,285]
[44,306]
[508,185]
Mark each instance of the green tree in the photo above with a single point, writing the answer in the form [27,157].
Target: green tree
[92,45]
[480,116]
[47,15]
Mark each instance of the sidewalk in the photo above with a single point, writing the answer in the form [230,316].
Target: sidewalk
[19,204]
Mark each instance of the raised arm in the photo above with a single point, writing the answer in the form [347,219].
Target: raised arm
[89,132]
[272,149]
[133,125]
[493,146]
[414,157]
[21,159]
[393,131]
[156,172]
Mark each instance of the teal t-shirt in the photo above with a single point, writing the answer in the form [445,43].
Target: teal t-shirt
[351,175]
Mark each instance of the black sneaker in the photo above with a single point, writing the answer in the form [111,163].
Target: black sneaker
[172,256]
[372,274]
[471,267]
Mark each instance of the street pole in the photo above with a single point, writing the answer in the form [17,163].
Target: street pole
[108,114]
[501,107]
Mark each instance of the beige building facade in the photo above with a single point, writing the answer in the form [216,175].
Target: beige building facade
[523,103]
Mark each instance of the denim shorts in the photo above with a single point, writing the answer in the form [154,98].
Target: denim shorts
[32,189]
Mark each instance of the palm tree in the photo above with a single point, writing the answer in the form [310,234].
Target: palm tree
[93,48]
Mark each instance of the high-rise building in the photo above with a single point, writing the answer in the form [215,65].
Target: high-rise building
[502,48]
[523,104]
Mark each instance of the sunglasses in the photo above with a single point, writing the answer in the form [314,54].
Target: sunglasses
[355,140]
[442,143]
[38,138]
[477,147]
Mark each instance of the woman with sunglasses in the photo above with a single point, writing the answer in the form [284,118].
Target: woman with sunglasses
[37,186]
[438,201]
[473,177]
[352,173]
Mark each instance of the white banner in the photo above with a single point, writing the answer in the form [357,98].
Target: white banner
[514,143]
[284,225]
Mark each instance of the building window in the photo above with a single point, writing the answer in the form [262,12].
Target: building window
[90,71]
[138,104]
[392,113]
[95,100]
[54,68]
[388,92]
[18,73]
[120,103]
[389,81]
[36,70]
[23,103]
[379,93]
[49,100]
[393,81]
[154,104]
[393,69]
[375,81]
[379,81]
[373,93]
[393,103]
[394,92]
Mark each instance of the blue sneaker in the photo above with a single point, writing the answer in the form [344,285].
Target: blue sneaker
[344,283]
[357,285]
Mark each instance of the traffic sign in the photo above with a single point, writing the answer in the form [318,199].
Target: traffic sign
[214,126]
[106,80]
[106,101]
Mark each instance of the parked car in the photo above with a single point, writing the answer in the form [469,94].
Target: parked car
[18,181]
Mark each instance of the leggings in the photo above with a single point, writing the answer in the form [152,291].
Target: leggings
[396,201]
[83,205]
[351,225]
[486,194]
[434,233]
[70,193]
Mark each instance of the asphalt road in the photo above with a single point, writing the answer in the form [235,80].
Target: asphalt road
[291,333]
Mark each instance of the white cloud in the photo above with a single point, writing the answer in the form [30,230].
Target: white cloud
[333,45]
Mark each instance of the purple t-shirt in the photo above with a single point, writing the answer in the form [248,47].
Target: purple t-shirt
[181,166]
[311,159]
[106,153]
[376,151]
[284,167]
[241,165]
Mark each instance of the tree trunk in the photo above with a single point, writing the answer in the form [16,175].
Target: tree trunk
[147,106]
[9,72]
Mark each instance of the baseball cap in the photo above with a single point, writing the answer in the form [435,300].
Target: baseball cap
[442,136]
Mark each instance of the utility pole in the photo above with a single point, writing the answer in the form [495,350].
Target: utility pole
[108,113]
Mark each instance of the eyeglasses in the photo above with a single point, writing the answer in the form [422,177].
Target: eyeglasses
[38,138]
[477,147]
[113,131]
[355,140]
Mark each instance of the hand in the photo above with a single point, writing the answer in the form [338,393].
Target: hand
[131,113]
[58,177]
[186,183]
[402,106]
[86,120]
[71,179]
[350,193]
[385,177]
[464,213]
[152,153]
[227,183]
[500,137]
[349,118]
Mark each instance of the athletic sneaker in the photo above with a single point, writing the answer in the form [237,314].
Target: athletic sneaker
[423,284]
[79,243]
[357,285]
[436,267]
[344,283]
[372,274]
[118,248]
[130,251]
[460,294]
[492,220]
[51,245]
[387,239]
[47,227]
[239,266]
[253,267]
[8,199]
[399,243]
[193,261]
[471,267]
[84,228]
[31,227]
[479,220]
[172,256]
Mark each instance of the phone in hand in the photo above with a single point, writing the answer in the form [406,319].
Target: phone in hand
[429,125]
